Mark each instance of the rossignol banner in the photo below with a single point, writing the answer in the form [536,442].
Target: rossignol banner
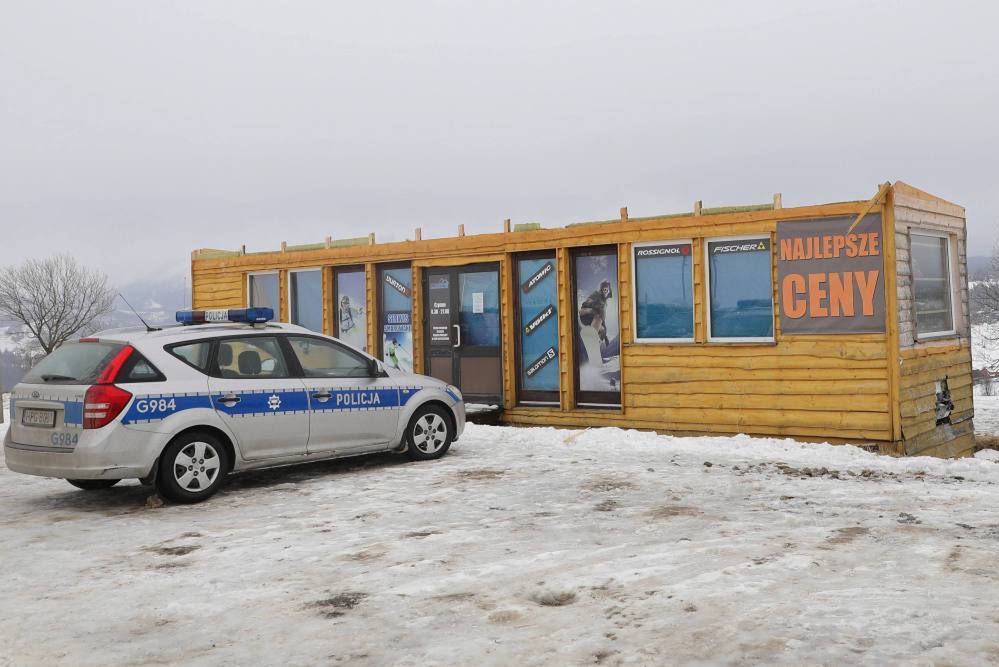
[830,277]
[664,250]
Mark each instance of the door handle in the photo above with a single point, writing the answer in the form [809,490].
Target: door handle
[322,396]
[230,400]
[457,329]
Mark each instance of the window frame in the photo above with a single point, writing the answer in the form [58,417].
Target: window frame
[249,290]
[322,296]
[708,240]
[587,398]
[296,366]
[535,397]
[334,301]
[169,349]
[948,271]
[634,293]
[290,361]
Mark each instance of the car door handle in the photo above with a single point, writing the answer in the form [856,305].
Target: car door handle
[230,400]
[322,396]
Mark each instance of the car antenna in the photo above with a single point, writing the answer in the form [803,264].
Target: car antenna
[149,329]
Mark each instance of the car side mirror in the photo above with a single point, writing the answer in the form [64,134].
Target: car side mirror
[373,369]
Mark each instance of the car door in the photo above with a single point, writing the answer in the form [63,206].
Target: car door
[350,409]
[257,397]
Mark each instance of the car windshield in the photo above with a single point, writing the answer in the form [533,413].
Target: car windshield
[73,363]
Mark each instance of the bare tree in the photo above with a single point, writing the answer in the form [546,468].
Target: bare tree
[54,299]
[986,292]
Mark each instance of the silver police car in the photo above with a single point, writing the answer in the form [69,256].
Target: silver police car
[183,406]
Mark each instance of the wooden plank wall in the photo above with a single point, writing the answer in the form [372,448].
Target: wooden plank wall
[925,362]
[832,388]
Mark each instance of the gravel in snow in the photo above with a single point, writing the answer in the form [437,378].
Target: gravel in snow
[523,546]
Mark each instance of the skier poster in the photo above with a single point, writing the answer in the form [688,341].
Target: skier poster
[351,319]
[396,318]
[598,339]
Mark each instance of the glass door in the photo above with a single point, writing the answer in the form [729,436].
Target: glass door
[462,329]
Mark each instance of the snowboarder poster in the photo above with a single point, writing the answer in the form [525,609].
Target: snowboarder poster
[351,320]
[598,342]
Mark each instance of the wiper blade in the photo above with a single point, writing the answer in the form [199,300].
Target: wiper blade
[49,377]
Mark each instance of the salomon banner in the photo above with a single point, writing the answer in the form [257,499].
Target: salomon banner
[830,276]
[538,325]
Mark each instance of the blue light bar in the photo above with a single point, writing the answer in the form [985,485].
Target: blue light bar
[245,315]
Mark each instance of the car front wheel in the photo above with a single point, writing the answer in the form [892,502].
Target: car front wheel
[192,468]
[429,433]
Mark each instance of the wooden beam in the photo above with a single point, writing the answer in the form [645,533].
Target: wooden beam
[371,238]
[875,200]
[461,230]
[329,242]
[284,246]
[778,201]
[418,234]
[697,207]
[506,226]
[624,214]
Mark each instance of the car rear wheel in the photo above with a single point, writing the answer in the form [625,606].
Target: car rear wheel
[429,433]
[192,468]
[93,484]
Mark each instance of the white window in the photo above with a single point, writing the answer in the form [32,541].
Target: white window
[931,284]
[740,289]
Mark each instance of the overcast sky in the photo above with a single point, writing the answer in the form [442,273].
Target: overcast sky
[133,132]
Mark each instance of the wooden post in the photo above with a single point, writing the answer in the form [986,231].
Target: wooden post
[371,238]
[697,207]
[418,234]
[329,242]
[284,246]
[461,230]
[624,214]
[778,201]
[242,249]
[506,226]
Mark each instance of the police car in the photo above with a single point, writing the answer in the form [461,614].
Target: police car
[183,406]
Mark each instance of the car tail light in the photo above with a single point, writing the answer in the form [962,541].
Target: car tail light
[102,404]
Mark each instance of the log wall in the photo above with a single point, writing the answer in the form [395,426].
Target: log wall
[839,388]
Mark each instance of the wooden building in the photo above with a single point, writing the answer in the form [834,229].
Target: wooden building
[842,322]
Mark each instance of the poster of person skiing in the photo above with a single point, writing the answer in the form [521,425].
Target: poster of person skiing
[598,349]
[397,319]
[351,319]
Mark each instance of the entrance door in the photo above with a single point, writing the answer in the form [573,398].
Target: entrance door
[462,329]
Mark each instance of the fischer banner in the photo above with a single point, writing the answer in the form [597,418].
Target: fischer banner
[830,278]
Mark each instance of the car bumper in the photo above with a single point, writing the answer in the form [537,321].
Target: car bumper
[122,454]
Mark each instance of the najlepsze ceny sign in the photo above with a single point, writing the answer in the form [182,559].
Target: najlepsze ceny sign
[830,276]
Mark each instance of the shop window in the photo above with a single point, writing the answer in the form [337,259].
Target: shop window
[664,291]
[931,285]
[350,307]
[305,291]
[395,317]
[740,290]
[264,291]
[597,337]
[537,323]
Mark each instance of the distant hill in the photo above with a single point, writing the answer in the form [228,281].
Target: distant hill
[978,264]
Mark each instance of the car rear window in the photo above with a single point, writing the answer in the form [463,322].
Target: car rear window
[73,363]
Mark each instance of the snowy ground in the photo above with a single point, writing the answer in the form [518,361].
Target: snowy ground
[523,546]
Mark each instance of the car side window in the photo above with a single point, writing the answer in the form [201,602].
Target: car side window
[193,354]
[139,369]
[325,359]
[251,358]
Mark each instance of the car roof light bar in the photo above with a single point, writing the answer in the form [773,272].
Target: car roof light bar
[240,315]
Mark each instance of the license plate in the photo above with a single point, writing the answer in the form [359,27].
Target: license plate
[39,418]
